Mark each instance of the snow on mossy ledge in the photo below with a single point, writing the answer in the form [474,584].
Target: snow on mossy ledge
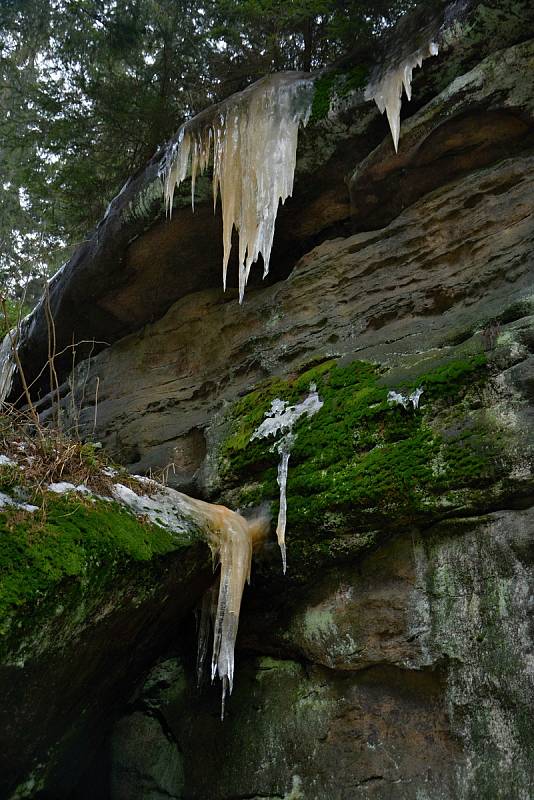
[77,536]
[69,539]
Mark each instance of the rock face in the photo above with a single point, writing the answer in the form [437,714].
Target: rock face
[406,675]
[88,599]
[394,660]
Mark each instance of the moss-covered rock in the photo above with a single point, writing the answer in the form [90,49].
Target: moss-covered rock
[88,594]
[335,86]
[69,539]
[362,462]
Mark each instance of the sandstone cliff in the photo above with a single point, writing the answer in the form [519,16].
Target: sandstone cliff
[394,660]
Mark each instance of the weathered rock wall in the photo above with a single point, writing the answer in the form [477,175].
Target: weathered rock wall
[403,671]
[404,676]
[440,271]
[135,264]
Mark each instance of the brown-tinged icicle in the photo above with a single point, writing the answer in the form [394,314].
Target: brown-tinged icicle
[232,540]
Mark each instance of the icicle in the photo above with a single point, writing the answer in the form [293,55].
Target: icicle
[281,418]
[284,448]
[7,367]
[232,539]
[208,611]
[386,90]
[254,137]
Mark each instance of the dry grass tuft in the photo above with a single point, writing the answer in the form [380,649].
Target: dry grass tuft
[43,456]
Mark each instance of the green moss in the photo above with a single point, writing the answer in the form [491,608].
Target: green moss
[335,83]
[69,540]
[356,78]
[322,97]
[360,460]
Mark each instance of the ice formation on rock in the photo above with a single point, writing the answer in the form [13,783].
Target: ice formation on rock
[395,398]
[386,88]
[284,448]
[232,539]
[279,418]
[253,137]
[7,367]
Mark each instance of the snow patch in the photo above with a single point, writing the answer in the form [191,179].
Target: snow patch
[164,507]
[64,486]
[6,500]
[110,472]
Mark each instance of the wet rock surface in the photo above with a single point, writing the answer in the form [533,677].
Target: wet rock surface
[439,271]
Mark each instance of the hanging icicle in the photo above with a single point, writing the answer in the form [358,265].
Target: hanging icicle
[386,89]
[252,139]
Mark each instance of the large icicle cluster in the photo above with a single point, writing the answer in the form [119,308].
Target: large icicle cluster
[278,419]
[386,88]
[253,137]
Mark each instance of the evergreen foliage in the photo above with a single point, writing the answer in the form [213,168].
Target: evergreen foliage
[90,88]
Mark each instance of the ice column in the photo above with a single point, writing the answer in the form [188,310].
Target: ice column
[278,419]
[232,539]
[252,139]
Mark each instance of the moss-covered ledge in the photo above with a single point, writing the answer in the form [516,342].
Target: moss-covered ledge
[363,468]
[89,596]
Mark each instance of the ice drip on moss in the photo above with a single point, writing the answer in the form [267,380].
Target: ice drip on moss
[278,419]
